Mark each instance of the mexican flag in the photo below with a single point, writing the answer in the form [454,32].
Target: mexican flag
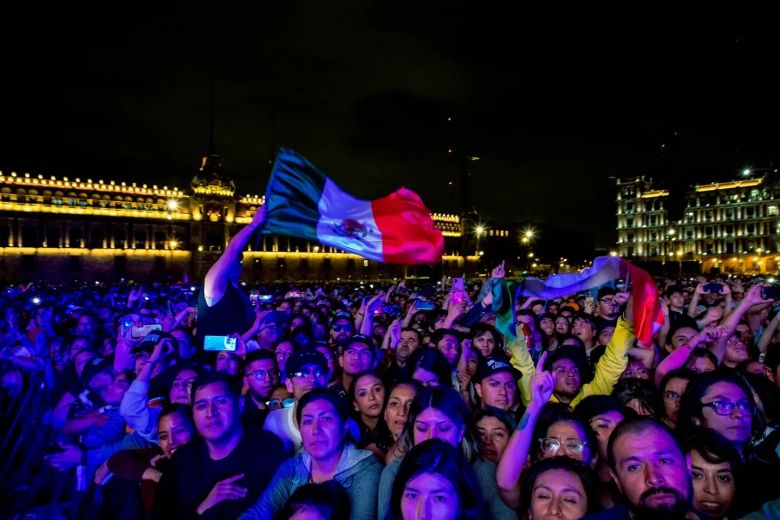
[302,202]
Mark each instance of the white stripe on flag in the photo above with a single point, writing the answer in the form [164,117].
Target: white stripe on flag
[348,223]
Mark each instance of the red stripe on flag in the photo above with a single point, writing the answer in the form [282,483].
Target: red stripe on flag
[408,234]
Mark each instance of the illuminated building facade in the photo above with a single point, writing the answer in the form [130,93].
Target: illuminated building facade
[61,229]
[725,226]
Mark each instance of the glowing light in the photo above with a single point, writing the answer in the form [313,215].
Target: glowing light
[172,204]
[746,172]
[479,230]
[173,244]
[613,253]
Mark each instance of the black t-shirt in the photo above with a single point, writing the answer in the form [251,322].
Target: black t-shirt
[233,313]
[193,474]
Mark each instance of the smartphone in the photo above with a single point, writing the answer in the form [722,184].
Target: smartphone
[219,343]
[770,292]
[389,309]
[458,285]
[713,287]
[422,305]
[265,297]
[139,331]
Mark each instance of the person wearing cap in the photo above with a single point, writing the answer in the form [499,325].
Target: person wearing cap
[267,329]
[223,308]
[496,383]
[358,355]
[306,369]
[342,327]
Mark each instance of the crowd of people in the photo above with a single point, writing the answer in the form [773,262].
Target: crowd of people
[396,401]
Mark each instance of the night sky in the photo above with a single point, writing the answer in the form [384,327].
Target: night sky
[554,100]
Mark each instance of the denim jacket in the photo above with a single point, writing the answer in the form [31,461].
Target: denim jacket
[358,472]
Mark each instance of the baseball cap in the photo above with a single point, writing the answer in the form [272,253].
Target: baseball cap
[360,338]
[305,356]
[152,339]
[493,364]
[94,367]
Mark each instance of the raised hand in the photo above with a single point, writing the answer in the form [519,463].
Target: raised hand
[542,384]
[499,272]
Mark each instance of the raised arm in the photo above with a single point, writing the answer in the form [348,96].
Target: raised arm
[695,300]
[216,280]
[510,467]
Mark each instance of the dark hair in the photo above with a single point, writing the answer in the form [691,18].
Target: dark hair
[451,404]
[323,394]
[595,405]
[356,377]
[328,498]
[701,353]
[559,412]
[577,468]
[182,410]
[429,359]
[635,426]
[439,334]
[492,411]
[437,457]
[481,328]
[630,388]
[208,378]
[714,448]
[259,355]
[691,409]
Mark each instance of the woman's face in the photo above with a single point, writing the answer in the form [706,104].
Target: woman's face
[701,365]
[713,486]
[671,396]
[174,431]
[559,494]
[283,351]
[562,325]
[369,396]
[485,343]
[322,430]
[570,441]
[493,438]
[434,424]
[603,425]
[471,361]
[398,408]
[736,426]
[429,496]
[425,378]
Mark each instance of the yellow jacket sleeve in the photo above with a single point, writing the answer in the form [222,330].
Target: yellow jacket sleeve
[522,361]
[611,365]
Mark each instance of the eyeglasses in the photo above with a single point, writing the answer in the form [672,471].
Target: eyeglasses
[727,407]
[261,374]
[608,300]
[671,395]
[342,328]
[553,445]
[308,372]
[276,404]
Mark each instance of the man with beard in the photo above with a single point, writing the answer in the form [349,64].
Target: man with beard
[650,469]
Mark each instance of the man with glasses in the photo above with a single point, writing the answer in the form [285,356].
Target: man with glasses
[306,369]
[260,377]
